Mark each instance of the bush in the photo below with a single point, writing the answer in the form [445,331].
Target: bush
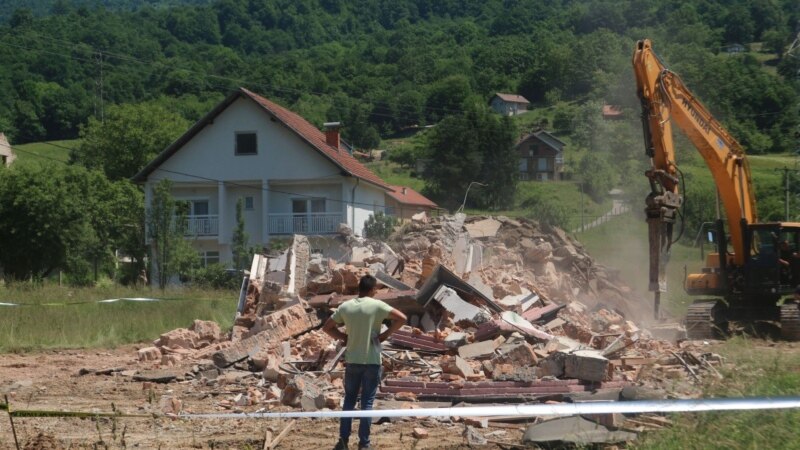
[216,276]
[379,226]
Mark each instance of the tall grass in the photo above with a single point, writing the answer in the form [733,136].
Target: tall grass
[757,369]
[73,324]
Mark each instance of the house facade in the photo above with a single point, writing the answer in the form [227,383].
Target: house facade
[291,177]
[7,155]
[403,202]
[541,157]
[509,104]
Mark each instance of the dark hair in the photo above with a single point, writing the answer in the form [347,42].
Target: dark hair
[366,284]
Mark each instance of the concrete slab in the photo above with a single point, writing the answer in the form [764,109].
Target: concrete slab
[461,310]
[484,349]
[486,228]
[574,430]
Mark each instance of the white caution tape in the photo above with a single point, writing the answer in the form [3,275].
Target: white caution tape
[8,304]
[134,299]
[537,410]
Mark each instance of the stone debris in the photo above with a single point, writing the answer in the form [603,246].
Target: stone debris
[500,309]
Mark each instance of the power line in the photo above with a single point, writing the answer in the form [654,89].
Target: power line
[227,183]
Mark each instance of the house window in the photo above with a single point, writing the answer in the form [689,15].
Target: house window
[248,203]
[542,165]
[317,205]
[523,176]
[541,176]
[523,164]
[246,143]
[198,207]
[208,258]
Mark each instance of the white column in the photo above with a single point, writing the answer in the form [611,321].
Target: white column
[148,201]
[264,211]
[222,237]
[346,203]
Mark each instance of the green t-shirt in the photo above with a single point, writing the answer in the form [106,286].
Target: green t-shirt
[362,316]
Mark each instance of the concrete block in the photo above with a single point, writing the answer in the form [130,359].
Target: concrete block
[149,354]
[359,254]
[273,329]
[587,365]
[463,368]
[671,332]
[484,349]
[520,354]
[455,339]
[553,365]
[420,433]
[178,338]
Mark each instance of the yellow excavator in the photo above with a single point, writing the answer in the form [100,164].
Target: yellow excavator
[755,264]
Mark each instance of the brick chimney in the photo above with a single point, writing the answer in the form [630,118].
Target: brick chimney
[332,134]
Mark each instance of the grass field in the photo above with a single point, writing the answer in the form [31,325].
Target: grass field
[759,369]
[37,325]
[44,152]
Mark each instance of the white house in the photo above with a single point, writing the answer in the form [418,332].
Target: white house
[7,155]
[509,104]
[292,177]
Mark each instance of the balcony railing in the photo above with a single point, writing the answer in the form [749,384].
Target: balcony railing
[314,223]
[207,225]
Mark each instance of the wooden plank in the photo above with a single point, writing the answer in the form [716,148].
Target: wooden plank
[267,440]
[282,434]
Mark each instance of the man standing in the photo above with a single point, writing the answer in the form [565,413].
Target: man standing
[362,319]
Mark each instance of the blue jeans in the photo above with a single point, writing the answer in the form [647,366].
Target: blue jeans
[365,377]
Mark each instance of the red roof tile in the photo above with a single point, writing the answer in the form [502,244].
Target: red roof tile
[410,197]
[612,111]
[316,138]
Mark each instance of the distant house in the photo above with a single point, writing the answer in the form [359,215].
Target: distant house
[734,48]
[541,157]
[7,155]
[509,104]
[291,177]
[403,202]
[612,112]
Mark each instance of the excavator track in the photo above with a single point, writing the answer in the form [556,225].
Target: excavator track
[790,322]
[704,320]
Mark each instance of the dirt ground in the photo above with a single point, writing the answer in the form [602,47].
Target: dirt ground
[50,380]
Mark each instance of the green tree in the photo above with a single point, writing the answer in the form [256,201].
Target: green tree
[65,217]
[129,138]
[239,242]
[597,173]
[475,146]
[172,254]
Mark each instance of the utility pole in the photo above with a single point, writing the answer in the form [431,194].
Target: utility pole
[100,87]
[786,171]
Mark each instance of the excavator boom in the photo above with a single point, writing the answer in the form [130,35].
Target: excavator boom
[665,100]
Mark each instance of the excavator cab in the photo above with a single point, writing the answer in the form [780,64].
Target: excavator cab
[773,265]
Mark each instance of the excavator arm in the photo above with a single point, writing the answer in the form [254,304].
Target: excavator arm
[666,100]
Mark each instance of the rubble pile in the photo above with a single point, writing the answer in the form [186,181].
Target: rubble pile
[500,310]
